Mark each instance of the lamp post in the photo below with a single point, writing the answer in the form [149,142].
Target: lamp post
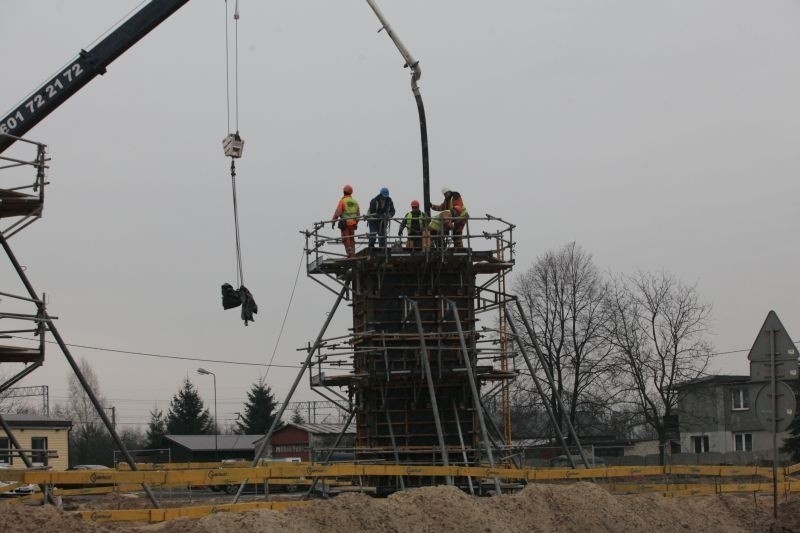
[216,429]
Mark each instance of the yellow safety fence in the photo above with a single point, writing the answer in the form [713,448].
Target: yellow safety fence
[205,474]
[291,471]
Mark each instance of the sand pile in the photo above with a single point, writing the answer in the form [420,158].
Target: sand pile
[579,507]
[25,519]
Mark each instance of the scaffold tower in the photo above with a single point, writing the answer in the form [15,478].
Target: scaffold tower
[427,341]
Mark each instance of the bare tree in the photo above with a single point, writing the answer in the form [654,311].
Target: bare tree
[658,327]
[563,295]
[80,407]
[90,442]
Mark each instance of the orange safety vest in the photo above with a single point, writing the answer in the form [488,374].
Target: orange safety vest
[350,210]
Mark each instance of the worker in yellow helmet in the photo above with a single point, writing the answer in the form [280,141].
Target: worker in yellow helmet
[439,228]
[347,213]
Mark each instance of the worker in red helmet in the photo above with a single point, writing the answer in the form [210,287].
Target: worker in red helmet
[347,213]
[455,204]
[416,222]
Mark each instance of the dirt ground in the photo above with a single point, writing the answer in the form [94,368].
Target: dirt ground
[580,507]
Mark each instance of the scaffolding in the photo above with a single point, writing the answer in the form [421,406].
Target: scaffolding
[415,361]
[22,204]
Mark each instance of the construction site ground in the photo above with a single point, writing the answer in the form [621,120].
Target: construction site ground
[578,507]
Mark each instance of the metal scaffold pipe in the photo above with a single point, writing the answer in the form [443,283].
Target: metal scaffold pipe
[275,421]
[76,369]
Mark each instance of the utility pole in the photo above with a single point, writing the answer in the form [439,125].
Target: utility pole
[113,410]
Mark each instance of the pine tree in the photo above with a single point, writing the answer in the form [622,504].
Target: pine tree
[156,429]
[187,415]
[792,444]
[259,410]
[297,418]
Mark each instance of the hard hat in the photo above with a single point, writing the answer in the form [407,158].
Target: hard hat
[445,190]
[414,203]
[384,192]
[347,189]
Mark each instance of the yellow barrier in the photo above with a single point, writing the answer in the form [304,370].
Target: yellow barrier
[197,511]
[292,471]
[205,474]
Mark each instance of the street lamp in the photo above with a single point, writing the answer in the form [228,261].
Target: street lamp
[216,429]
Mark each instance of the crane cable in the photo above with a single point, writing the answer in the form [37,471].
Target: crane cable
[239,269]
[233,146]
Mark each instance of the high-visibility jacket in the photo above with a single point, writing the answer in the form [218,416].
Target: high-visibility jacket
[436,222]
[350,207]
[455,204]
[347,209]
[460,212]
[415,224]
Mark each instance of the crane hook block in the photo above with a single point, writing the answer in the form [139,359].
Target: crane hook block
[233,145]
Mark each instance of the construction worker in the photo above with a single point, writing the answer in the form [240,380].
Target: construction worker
[439,227]
[381,211]
[347,212]
[415,221]
[455,204]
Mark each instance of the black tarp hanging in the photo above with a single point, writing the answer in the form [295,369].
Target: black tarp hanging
[232,298]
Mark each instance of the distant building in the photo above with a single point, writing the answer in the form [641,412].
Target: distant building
[730,416]
[44,439]
[209,448]
[309,440]
[717,415]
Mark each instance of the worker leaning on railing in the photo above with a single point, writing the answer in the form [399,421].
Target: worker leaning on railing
[455,205]
[439,227]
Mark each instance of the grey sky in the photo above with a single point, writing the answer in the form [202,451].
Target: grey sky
[658,135]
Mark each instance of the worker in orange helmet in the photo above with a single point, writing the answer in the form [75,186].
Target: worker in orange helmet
[415,220]
[347,213]
[455,204]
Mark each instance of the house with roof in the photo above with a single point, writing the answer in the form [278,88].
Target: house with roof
[209,448]
[730,415]
[45,440]
[310,441]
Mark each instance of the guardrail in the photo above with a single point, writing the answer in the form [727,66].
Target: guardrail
[324,242]
[615,479]
[227,475]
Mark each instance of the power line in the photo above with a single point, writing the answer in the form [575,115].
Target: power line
[728,352]
[179,357]
[285,315]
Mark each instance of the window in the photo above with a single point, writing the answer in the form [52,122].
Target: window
[39,451]
[743,442]
[5,451]
[700,444]
[286,448]
[740,399]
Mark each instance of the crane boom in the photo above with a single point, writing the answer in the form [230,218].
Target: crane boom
[83,69]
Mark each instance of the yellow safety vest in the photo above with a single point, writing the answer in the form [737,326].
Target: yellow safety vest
[436,224]
[350,207]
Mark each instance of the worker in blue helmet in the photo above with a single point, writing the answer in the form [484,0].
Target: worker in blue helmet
[380,213]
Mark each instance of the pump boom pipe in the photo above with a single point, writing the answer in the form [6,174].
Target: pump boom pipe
[416,73]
